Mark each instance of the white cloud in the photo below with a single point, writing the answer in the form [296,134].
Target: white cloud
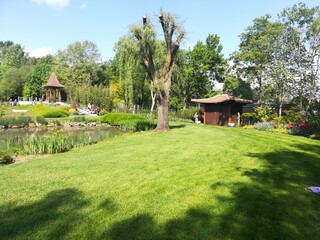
[39,52]
[83,6]
[53,3]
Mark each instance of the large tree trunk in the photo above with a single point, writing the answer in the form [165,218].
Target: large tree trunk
[184,102]
[163,105]
[163,110]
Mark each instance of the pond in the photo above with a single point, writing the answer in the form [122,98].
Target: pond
[14,137]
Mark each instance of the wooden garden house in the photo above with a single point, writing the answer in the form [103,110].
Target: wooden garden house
[53,89]
[222,109]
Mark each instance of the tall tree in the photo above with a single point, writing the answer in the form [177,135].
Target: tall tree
[161,78]
[78,64]
[254,53]
[301,25]
[38,76]
[12,82]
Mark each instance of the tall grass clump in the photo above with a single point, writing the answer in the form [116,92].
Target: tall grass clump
[49,112]
[51,144]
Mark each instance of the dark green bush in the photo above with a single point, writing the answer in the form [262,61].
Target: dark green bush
[314,124]
[117,118]
[138,125]
[5,158]
[315,136]
[41,120]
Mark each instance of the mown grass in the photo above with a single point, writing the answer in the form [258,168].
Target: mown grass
[195,182]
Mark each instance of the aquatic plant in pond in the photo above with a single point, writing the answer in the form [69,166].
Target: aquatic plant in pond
[30,141]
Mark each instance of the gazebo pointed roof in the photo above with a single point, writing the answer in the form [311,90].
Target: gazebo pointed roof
[53,82]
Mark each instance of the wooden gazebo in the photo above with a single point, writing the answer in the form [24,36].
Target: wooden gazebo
[53,89]
[222,109]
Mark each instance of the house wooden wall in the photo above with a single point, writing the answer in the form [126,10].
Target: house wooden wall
[222,113]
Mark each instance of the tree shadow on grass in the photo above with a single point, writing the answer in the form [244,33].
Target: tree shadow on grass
[272,204]
[196,224]
[52,217]
[177,126]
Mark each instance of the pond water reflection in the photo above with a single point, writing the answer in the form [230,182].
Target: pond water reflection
[14,137]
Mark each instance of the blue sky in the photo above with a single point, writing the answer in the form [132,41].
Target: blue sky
[44,26]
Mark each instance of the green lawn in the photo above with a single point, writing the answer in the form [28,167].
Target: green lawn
[195,182]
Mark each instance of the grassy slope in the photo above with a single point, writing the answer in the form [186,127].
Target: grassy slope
[195,182]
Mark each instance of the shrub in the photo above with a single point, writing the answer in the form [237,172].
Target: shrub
[298,131]
[79,119]
[63,108]
[72,111]
[293,115]
[15,121]
[248,126]
[5,158]
[116,118]
[263,126]
[41,120]
[315,136]
[263,113]
[249,118]
[187,113]
[48,112]
[138,125]
[314,124]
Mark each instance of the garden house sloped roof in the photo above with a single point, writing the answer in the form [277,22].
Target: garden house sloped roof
[53,82]
[221,98]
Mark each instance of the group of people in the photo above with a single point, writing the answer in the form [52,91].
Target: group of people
[12,103]
[92,109]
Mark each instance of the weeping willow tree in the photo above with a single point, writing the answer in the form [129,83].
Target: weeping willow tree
[161,76]
[127,61]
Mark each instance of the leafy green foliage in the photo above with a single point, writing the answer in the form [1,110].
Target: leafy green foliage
[1,111]
[12,82]
[15,121]
[264,113]
[41,120]
[293,115]
[117,118]
[187,113]
[78,64]
[237,87]
[38,76]
[263,126]
[48,112]
[100,96]
[137,125]
[5,158]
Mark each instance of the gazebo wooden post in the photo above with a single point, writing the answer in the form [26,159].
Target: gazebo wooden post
[229,113]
